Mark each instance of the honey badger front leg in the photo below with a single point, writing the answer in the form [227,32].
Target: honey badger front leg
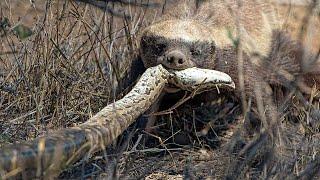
[151,118]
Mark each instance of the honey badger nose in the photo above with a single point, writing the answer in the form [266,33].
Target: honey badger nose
[175,59]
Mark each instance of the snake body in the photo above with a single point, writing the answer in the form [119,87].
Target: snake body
[47,156]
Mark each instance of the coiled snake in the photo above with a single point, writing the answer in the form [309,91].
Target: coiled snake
[47,156]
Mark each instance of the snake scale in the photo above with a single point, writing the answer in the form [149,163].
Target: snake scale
[47,156]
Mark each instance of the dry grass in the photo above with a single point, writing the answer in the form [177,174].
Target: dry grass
[79,58]
[69,68]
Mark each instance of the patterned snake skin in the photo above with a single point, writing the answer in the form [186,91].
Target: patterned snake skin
[47,156]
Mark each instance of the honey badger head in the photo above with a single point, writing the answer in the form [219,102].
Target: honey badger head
[176,44]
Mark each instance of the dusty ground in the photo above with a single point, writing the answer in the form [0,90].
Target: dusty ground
[73,64]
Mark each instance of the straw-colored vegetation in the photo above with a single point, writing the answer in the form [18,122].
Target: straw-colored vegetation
[62,61]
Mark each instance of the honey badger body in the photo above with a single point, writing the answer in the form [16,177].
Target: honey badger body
[209,39]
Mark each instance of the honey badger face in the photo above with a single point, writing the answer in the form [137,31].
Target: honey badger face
[176,44]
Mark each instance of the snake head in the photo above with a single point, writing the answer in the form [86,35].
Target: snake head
[199,80]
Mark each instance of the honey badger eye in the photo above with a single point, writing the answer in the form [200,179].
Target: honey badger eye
[159,48]
[212,48]
[202,49]
[195,51]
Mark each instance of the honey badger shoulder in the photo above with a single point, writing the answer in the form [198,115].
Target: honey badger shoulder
[209,38]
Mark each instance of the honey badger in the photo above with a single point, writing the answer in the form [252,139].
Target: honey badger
[222,32]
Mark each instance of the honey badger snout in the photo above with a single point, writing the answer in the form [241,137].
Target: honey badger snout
[175,59]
